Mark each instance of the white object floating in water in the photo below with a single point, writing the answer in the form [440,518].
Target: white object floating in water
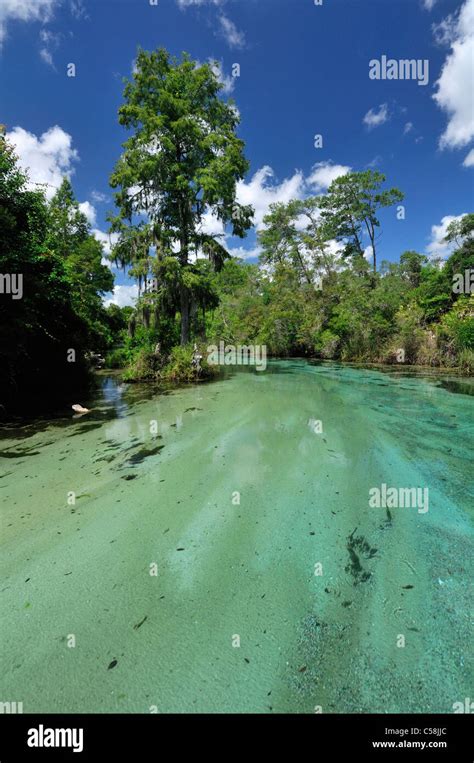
[79,409]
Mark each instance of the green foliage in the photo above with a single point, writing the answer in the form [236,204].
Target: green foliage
[240,313]
[179,366]
[117,358]
[457,326]
[50,246]
[434,293]
[465,361]
[327,344]
[461,231]
[175,367]
[143,367]
[350,314]
[409,335]
[351,208]
[117,319]
[69,235]
[181,161]
[411,264]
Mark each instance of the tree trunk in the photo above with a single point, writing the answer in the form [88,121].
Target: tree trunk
[183,259]
[185,314]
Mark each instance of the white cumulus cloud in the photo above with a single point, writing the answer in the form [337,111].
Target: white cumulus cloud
[260,192]
[46,159]
[211,225]
[262,189]
[88,210]
[123,296]
[455,86]
[244,254]
[437,246]
[324,173]
[108,240]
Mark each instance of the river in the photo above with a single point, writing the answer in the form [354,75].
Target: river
[212,548]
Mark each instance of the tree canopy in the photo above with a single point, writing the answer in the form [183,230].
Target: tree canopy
[180,165]
[45,334]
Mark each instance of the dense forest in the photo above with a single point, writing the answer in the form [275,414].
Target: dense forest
[321,288]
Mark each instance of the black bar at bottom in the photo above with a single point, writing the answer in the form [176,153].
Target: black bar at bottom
[115,737]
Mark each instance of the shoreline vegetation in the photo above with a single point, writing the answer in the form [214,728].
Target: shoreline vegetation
[171,379]
[320,288]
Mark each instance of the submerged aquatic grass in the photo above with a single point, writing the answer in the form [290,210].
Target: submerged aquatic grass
[226,558]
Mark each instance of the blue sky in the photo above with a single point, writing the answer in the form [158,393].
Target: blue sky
[304,70]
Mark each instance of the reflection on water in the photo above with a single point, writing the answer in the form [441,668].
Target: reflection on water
[212,548]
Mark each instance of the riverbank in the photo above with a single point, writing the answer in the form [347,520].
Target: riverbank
[45,408]
[189,375]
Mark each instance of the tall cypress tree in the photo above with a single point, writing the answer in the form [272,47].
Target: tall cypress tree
[181,161]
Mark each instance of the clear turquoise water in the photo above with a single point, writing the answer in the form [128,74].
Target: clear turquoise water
[230,572]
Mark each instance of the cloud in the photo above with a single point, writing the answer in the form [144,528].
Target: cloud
[375,162]
[408,128]
[428,4]
[375,118]
[244,254]
[78,10]
[260,193]
[88,210]
[227,29]
[324,173]
[123,296]
[24,10]
[211,225]
[262,190]
[47,57]
[217,67]
[227,81]
[50,42]
[234,38]
[455,86]
[98,197]
[437,246]
[46,159]
[106,239]
[469,160]
[444,31]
